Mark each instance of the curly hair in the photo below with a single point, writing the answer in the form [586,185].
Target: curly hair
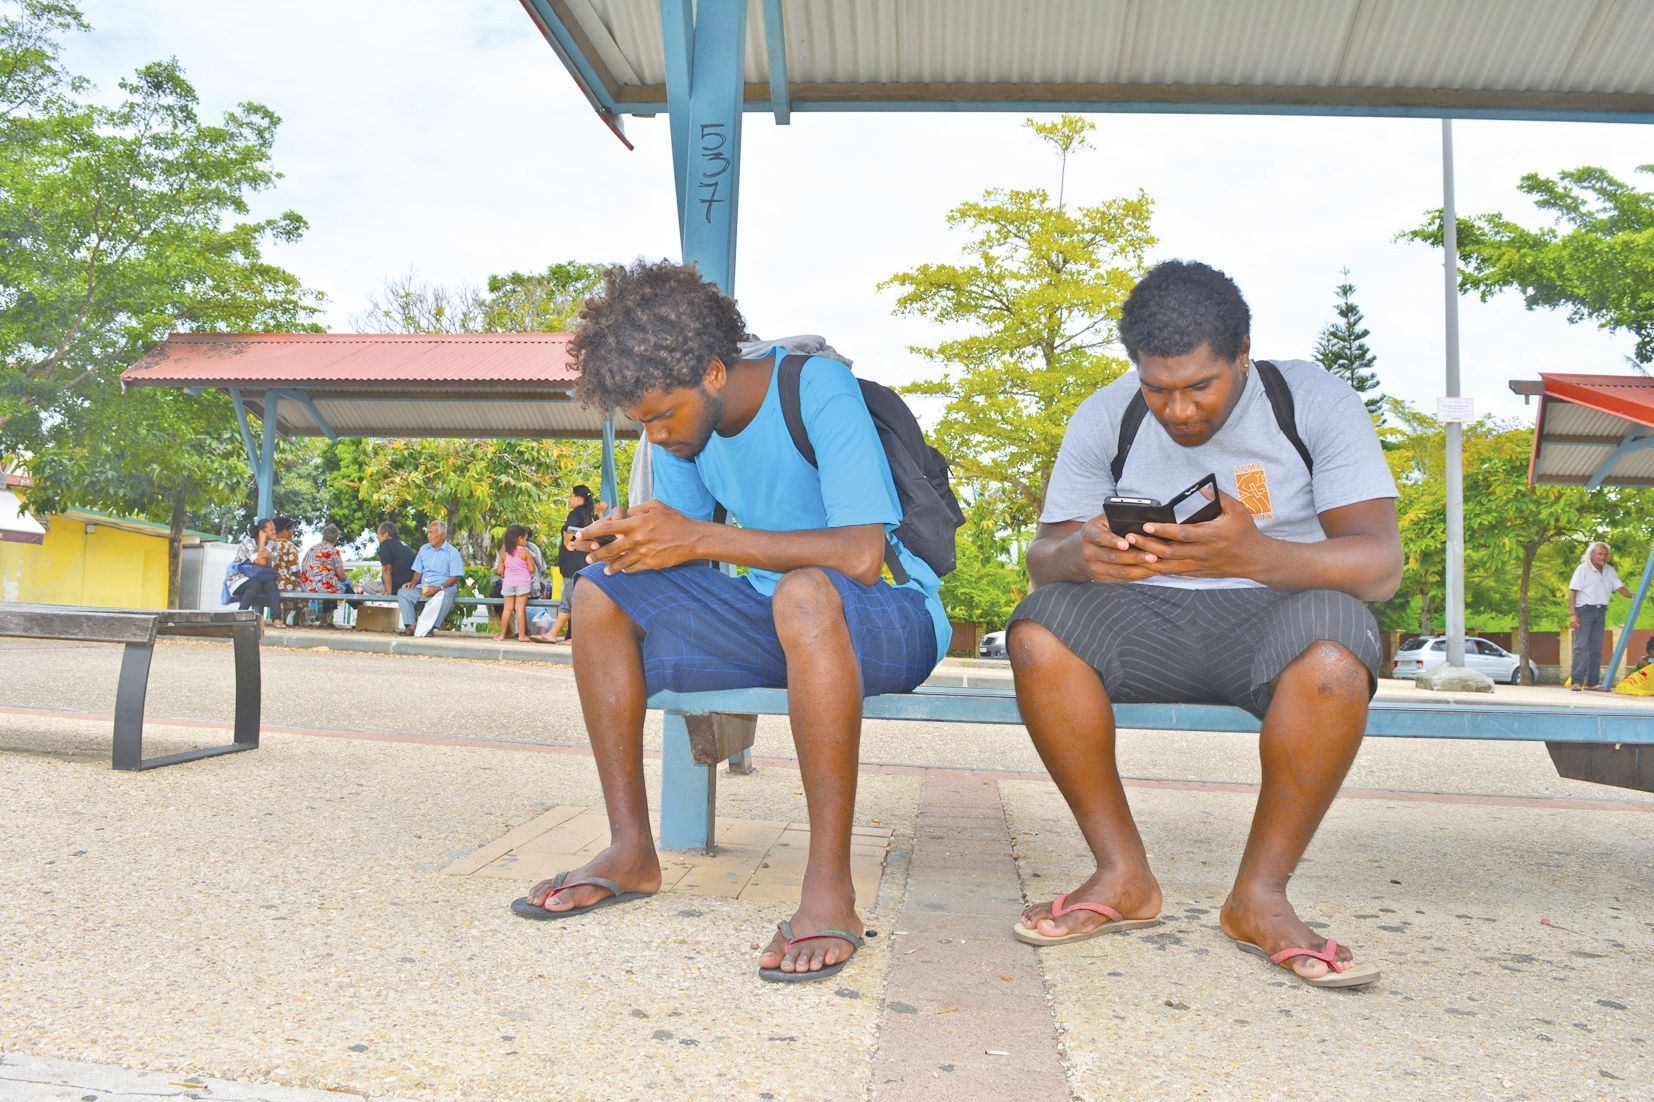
[652,327]
[1180,305]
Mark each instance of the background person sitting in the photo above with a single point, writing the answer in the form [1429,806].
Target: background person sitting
[324,571]
[251,579]
[395,560]
[437,570]
[284,551]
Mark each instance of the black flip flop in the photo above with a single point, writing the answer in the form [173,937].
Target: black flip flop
[524,909]
[776,975]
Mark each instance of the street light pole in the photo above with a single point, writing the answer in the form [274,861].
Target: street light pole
[1455,432]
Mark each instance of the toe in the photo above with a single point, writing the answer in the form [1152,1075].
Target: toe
[773,953]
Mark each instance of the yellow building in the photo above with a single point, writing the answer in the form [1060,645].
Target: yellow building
[81,557]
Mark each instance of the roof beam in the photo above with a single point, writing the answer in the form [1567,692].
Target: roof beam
[1636,439]
[303,399]
[776,38]
[678,40]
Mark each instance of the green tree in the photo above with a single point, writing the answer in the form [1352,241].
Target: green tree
[1597,262]
[1508,523]
[985,587]
[1342,348]
[1037,298]
[119,223]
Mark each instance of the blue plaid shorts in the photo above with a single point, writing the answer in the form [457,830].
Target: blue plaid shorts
[706,630]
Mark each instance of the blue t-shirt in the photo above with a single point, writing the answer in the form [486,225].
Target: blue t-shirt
[436,565]
[764,482]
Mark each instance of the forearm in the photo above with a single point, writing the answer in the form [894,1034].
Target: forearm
[1057,558]
[1367,565]
[856,551]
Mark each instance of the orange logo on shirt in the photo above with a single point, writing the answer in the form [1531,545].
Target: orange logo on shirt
[1252,487]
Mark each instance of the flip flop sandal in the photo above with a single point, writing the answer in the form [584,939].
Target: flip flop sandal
[776,975]
[523,908]
[1116,923]
[1342,974]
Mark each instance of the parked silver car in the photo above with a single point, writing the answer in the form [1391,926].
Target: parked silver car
[993,646]
[1421,653]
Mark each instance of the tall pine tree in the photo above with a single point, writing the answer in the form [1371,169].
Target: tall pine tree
[1343,349]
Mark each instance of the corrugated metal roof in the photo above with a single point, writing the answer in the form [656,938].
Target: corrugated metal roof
[387,384]
[1527,58]
[1588,421]
[343,359]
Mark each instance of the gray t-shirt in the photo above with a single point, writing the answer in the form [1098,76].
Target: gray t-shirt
[1253,460]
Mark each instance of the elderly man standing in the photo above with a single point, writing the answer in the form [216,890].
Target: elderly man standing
[437,569]
[1593,583]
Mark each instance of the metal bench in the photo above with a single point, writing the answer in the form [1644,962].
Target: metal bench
[1605,744]
[138,629]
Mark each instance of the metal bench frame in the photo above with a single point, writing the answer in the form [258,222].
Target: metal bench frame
[138,630]
[1613,745]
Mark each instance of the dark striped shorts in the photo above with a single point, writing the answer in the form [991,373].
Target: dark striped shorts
[706,630]
[1155,644]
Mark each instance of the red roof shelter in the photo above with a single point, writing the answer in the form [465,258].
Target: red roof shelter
[383,384]
[1594,431]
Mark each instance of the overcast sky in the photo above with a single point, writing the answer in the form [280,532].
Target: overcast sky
[443,138]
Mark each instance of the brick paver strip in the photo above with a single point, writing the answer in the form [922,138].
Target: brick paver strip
[966,1015]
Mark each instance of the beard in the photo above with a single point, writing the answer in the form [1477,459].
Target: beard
[712,411]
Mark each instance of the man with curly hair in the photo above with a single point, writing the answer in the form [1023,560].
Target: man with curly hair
[811,614]
[1260,607]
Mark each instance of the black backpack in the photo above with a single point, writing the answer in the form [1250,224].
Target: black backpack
[930,512]
[1280,400]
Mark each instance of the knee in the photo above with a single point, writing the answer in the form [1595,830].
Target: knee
[592,604]
[1029,643]
[805,605]
[1333,668]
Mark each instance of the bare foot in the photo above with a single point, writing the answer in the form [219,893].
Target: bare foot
[1267,920]
[828,907]
[633,870]
[1135,893]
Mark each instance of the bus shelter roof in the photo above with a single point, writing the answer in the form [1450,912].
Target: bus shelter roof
[1592,430]
[385,384]
[1514,59]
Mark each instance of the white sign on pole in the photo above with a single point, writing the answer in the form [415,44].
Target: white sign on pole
[1455,409]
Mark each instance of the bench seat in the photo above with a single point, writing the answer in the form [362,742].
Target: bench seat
[137,629]
[1597,742]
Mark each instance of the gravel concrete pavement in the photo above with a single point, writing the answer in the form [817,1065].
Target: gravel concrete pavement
[279,917]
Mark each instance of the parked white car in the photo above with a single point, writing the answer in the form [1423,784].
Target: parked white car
[993,646]
[1422,653]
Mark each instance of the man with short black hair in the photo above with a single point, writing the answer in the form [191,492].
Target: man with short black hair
[395,559]
[811,614]
[1259,608]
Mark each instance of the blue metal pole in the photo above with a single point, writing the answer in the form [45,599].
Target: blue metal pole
[678,39]
[688,790]
[608,490]
[712,179]
[266,473]
[1630,620]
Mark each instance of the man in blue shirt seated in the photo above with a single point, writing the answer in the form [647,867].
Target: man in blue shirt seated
[437,571]
[812,613]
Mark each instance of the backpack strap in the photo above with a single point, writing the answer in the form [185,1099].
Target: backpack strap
[1136,410]
[1286,411]
[1274,388]
[789,372]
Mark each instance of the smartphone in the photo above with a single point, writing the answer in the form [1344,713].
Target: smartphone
[580,534]
[1196,505]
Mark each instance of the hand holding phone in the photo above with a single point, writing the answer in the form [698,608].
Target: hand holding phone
[1195,505]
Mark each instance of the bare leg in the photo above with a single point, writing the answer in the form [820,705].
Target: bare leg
[1310,736]
[1070,719]
[824,703]
[609,676]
